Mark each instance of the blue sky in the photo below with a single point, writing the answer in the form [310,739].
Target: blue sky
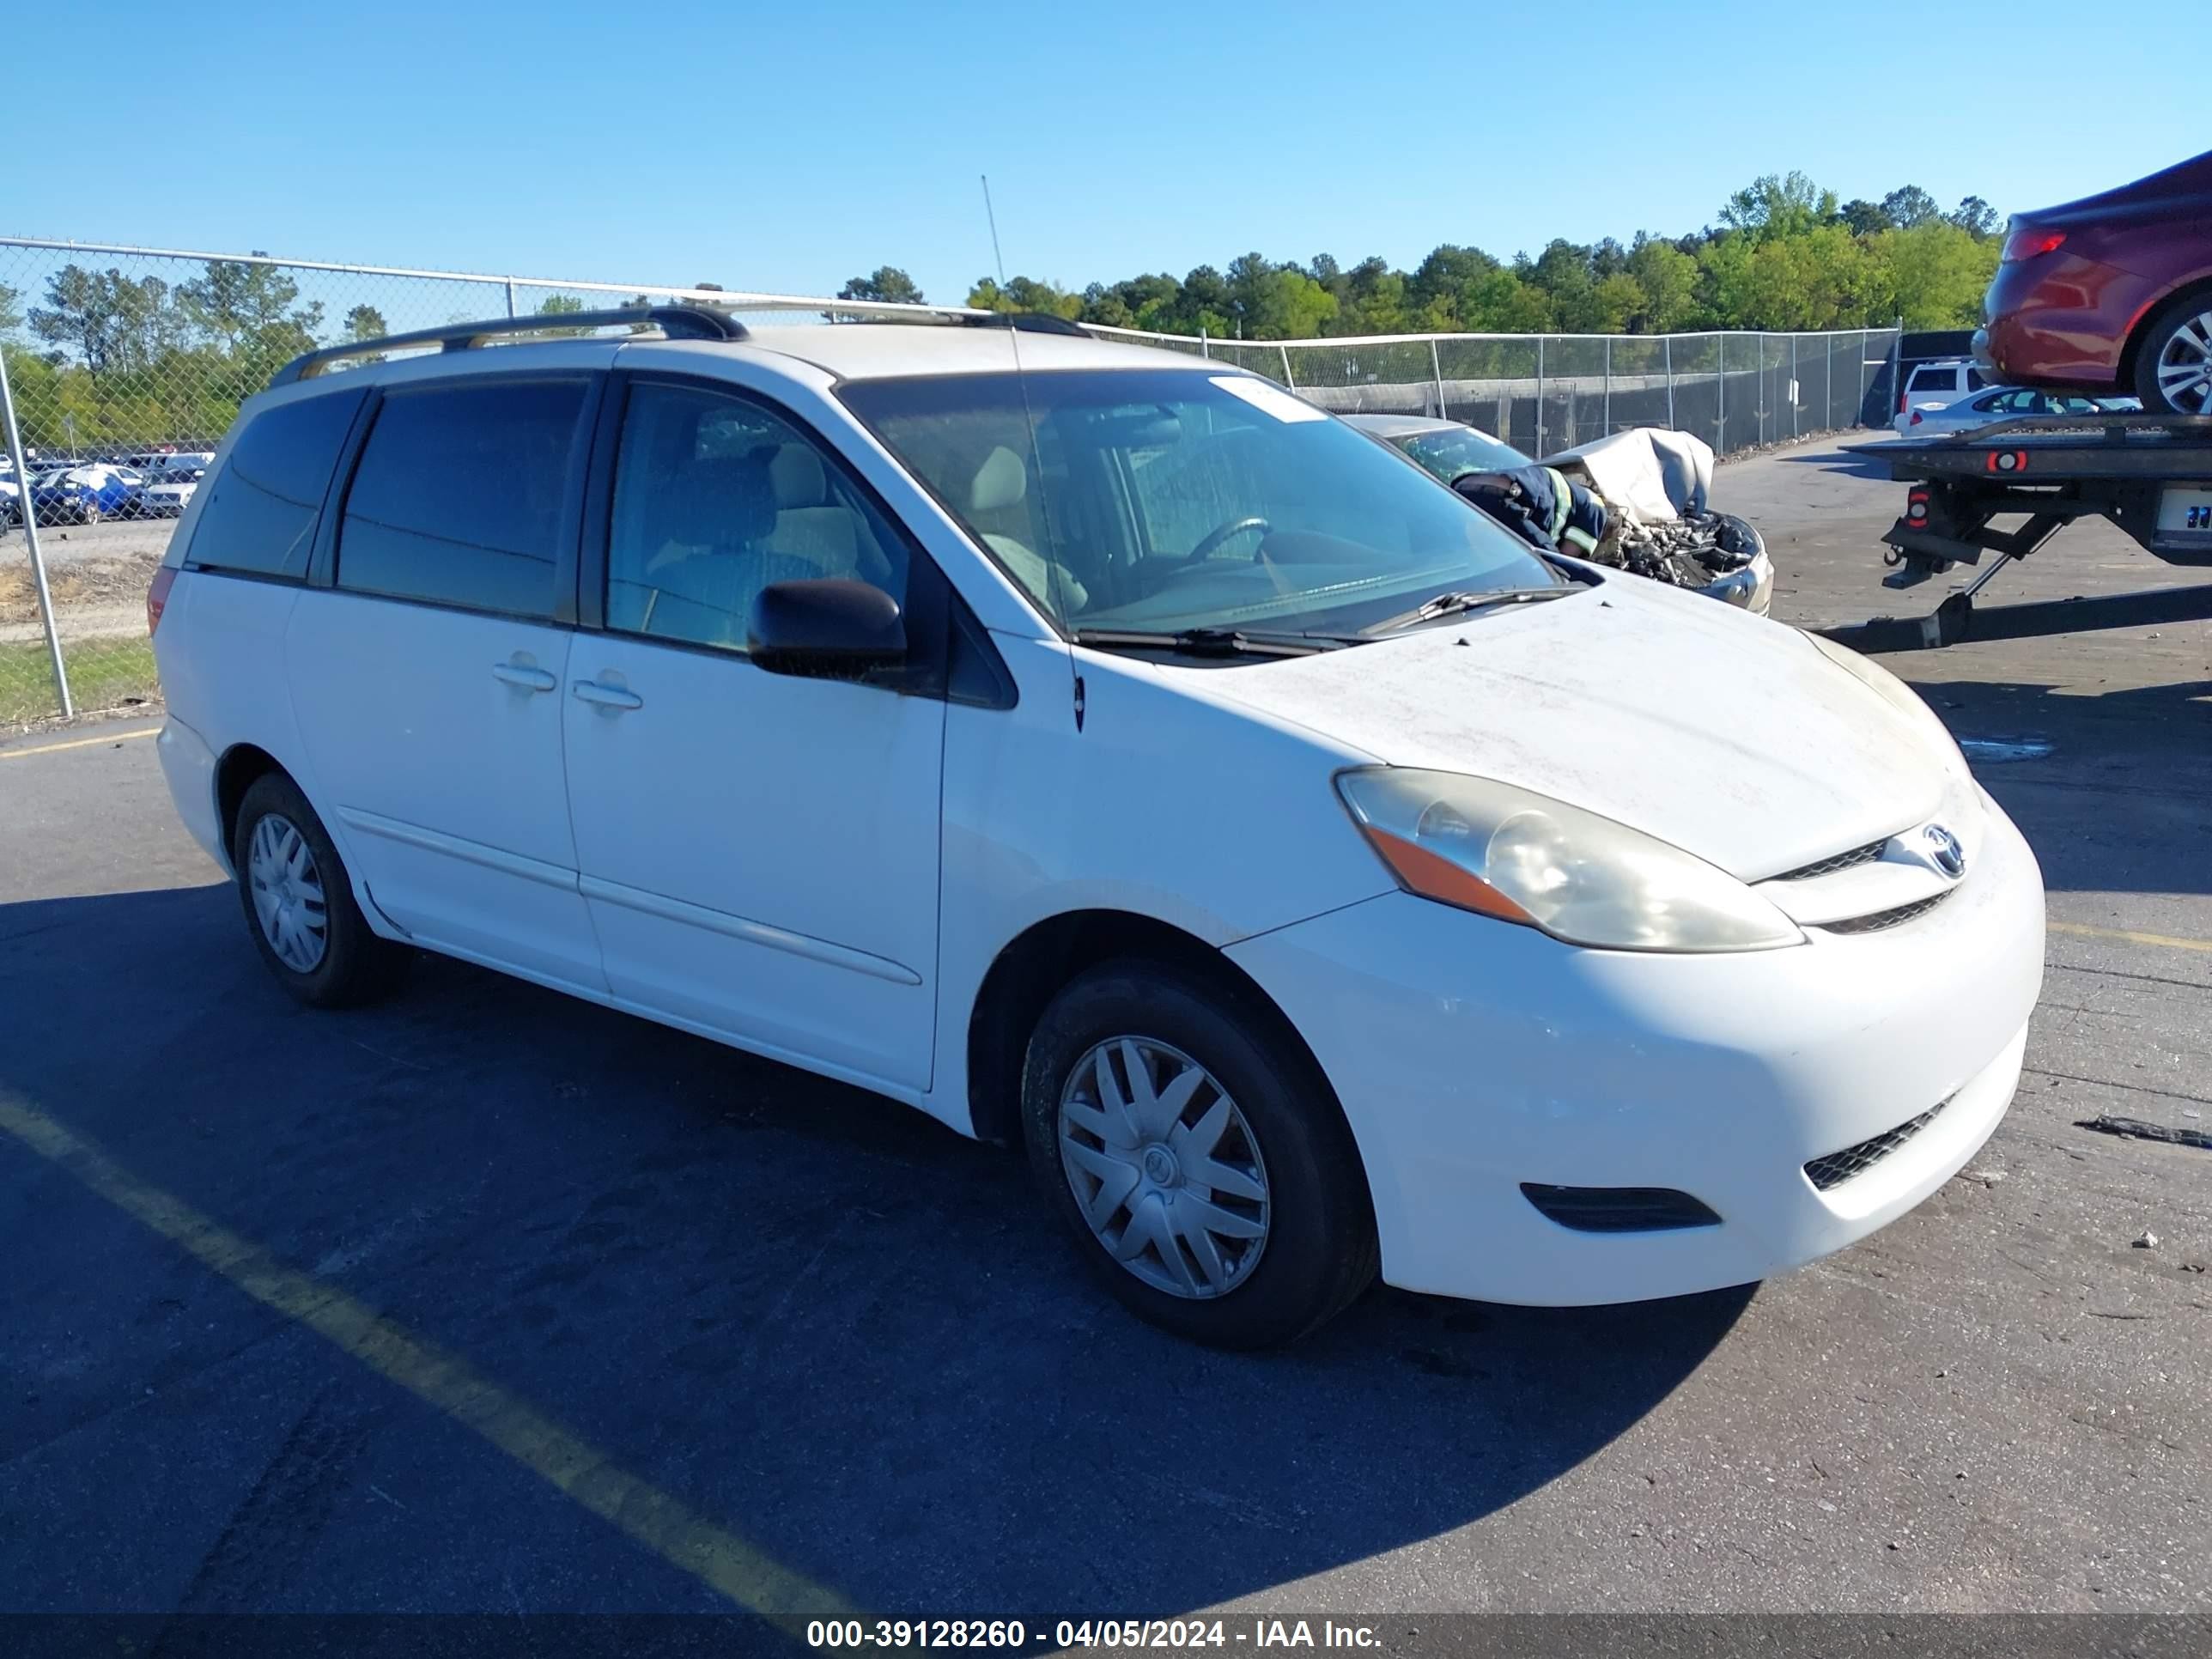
[772,149]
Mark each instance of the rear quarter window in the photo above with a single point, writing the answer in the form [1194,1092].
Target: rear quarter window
[260,517]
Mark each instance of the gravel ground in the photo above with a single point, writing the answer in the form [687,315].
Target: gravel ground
[849,1341]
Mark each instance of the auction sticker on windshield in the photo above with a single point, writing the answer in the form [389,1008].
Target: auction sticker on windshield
[1267,400]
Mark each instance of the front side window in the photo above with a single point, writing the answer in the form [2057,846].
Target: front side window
[715,498]
[260,518]
[1164,500]
[458,497]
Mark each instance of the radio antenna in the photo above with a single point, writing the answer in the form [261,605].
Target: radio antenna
[997,258]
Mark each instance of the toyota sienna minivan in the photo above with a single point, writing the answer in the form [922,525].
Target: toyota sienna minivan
[1101,749]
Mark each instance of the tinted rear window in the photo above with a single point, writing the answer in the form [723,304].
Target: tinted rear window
[1935,379]
[260,516]
[458,499]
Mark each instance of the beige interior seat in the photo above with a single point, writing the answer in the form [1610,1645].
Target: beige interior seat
[810,526]
[1001,485]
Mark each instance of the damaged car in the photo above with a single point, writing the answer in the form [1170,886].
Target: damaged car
[1636,501]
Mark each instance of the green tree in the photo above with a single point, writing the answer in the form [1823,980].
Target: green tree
[1863,218]
[113,323]
[1669,279]
[250,308]
[12,314]
[365,322]
[1910,207]
[1935,272]
[886,285]
[1025,294]
[1975,216]
[1778,205]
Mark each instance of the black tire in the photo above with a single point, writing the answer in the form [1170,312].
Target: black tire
[2158,334]
[355,965]
[1319,1252]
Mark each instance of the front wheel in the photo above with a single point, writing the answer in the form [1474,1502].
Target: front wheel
[2173,369]
[299,901]
[1197,1156]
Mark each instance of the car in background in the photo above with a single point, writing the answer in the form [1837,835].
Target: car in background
[2008,402]
[167,494]
[84,493]
[1936,385]
[11,502]
[1653,484]
[2110,294]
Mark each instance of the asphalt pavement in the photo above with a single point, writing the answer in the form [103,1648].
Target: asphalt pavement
[487,1300]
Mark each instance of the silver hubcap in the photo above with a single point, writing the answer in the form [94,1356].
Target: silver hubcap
[2184,366]
[1163,1167]
[287,893]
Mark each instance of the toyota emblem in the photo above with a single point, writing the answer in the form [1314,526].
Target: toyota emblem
[1943,849]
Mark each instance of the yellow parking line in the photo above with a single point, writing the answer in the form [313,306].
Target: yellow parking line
[664,1524]
[77,742]
[2082,930]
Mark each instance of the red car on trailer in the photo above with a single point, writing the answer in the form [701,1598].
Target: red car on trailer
[2110,294]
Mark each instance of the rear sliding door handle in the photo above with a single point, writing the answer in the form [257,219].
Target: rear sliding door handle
[612,698]
[523,677]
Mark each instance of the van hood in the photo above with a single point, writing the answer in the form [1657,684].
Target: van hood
[1729,736]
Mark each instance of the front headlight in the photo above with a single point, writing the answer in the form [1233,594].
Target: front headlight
[1525,858]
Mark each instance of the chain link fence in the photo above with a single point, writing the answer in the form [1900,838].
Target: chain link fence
[126,365]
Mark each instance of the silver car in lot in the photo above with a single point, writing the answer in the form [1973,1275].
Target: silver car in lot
[1654,485]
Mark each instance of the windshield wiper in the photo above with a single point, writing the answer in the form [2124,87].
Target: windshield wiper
[1207,641]
[1452,605]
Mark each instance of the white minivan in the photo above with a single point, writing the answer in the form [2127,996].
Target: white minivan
[1100,748]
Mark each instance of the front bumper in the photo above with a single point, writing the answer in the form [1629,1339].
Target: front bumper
[1472,1056]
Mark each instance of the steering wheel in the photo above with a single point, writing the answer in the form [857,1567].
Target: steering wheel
[1213,538]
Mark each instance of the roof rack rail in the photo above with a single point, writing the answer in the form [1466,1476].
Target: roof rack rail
[1026,322]
[677,322]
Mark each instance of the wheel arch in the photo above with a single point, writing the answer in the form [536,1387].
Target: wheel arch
[234,773]
[1034,966]
[2198,287]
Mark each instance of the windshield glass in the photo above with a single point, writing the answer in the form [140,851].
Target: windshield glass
[1164,500]
[1451,451]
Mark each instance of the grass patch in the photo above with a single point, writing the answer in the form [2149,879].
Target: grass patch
[102,673]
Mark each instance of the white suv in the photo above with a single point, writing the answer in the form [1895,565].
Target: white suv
[1101,748]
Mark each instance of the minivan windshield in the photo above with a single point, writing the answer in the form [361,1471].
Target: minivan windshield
[1166,500]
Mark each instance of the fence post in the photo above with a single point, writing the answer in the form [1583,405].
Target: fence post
[1860,407]
[1204,345]
[1720,419]
[1289,379]
[1436,367]
[31,539]
[1670,383]
[1793,386]
[1607,433]
[510,298]
[1540,396]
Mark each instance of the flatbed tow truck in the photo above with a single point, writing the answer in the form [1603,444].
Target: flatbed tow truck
[2149,474]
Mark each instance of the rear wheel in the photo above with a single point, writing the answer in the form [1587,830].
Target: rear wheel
[2173,367]
[299,901]
[1197,1157]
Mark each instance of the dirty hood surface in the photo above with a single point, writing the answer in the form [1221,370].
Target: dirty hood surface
[1730,737]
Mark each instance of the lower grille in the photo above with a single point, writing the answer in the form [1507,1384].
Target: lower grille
[1618,1209]
[1882,919]
[1837,1167]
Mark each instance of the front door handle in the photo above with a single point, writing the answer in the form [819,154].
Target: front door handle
[523,676]
[613,698]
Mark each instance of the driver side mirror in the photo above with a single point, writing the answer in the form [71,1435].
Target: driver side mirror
[825,629]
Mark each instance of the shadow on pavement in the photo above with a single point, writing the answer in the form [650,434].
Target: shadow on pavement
[819,1318]
[1837,460]
[2119,801]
